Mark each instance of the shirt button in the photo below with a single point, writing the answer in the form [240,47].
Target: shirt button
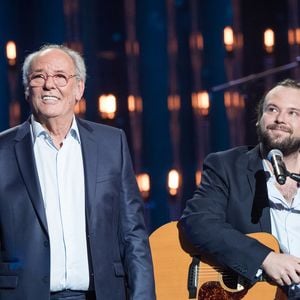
[46,244]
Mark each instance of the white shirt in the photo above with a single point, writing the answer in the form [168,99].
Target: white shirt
[285,217]
[61,178]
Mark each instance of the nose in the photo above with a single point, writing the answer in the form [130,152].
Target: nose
[280,117]
[49,82]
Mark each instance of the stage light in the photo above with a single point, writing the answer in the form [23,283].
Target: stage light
[198,176]
[143,181]
[135,104]
[107,106]
[173,182]
[200,102]
[233,99]
[269,40]
[80,107]
[196,41]
[228,38]
[174,102]
[11,52]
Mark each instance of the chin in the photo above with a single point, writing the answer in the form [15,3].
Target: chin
[48,115]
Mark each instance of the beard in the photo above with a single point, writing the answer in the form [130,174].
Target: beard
[287,146]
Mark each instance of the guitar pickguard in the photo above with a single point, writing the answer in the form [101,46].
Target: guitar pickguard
[213,290]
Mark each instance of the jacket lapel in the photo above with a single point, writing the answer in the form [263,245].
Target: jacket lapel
[26,162]
[90,158]
[257,180]
[254,166]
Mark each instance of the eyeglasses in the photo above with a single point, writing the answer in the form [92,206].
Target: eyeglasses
[39,79]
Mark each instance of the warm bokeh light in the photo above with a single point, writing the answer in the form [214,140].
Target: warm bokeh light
[239,40]
[269,40]
[143,181]
[135,104]
[291,37]
[14,113]
[196,41]
[200,102]
[233,99]
[11,52]
[198,176]
[294,36]
[228,38]
[297,34]
[132,47]
[173,102]
[80,107]
[173,182]
[107,106]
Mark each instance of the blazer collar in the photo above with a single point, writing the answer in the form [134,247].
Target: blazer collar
[26,162]
[257,180]
[254,159]
[90,160]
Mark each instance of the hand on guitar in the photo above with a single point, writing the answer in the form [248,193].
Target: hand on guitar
[283,269]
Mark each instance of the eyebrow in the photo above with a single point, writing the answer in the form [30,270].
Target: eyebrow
[269,104]
[294,108]
[274,105]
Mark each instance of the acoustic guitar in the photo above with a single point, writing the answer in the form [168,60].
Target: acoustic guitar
[178,276]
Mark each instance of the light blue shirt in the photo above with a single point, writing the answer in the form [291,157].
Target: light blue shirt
[61,177]
[285,217]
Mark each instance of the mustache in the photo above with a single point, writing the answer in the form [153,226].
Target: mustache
[280,127]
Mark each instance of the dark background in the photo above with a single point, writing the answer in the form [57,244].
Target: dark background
[165,63]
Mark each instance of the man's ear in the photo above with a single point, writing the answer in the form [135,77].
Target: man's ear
[26,93]
[79,91]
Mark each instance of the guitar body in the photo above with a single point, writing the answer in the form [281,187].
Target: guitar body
[171,270]
[170,262]
[218,284]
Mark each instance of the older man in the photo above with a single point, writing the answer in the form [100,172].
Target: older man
[71,218]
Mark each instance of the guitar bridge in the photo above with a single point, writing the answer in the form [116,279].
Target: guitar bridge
[193,273]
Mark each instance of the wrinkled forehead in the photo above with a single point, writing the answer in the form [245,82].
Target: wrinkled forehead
[52,60]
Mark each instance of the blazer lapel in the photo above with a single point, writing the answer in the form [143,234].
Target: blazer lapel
[254,166]
[26,162]
[257,180]
[90,158]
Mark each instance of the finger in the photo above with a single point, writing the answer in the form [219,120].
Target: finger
[295,278]
[286,279]
[279,282]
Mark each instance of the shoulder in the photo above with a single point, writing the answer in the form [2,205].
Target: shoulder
[235,153]
[98,129]
[229,165]
[232,158]
[10,134]
[108,137]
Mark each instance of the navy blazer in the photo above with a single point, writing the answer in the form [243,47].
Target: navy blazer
[116,234]
[231,201]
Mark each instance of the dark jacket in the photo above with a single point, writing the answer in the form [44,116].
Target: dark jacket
[116,234]
[231,201]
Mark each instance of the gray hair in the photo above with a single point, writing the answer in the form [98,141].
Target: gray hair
[76,57]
